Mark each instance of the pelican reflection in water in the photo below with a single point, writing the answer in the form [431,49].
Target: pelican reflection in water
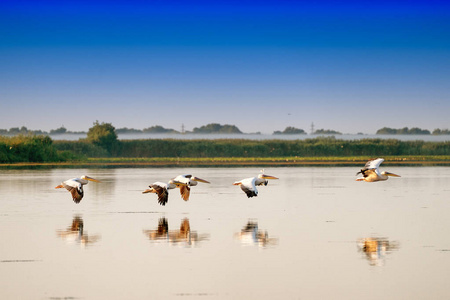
[251,235]
[75,233]
[183,235]
[375,249]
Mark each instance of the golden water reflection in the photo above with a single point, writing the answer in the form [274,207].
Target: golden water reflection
[251,235]
[75,233]
[182,236]
[375,249]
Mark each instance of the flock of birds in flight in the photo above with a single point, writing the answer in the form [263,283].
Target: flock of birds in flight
[370,173]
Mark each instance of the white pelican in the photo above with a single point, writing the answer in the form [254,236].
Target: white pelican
[371,172]
[161,189]
[75,186]
[184,182]
[248,185]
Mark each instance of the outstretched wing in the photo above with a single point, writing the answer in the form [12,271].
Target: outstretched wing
[374,163]
[185,191]
[163,195]
[75,189]
[248,186]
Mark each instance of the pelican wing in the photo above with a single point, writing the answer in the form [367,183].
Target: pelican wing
[185,191]
[248,186]
[372,166]
[370,175]
[374,163]
[75,188]
[163,195]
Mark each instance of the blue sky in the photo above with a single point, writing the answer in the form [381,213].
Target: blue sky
[352,66]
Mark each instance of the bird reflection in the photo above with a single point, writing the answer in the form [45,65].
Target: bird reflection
[182,236]
[75,233]
[251,235]
[376,249]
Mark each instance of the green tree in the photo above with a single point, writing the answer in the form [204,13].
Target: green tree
[158,129]
[217,128]
[290,130]
[60,130]
[103,135]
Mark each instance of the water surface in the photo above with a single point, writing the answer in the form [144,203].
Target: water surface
[313,234]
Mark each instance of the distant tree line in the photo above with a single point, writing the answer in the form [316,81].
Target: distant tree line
[438,131]
[327,132]
[217,128]
[414,130]
[405,130]
[25,131]
[102,141]
[290,130]
[212,128]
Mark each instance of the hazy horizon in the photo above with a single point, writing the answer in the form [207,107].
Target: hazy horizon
[352,67]
[183,130]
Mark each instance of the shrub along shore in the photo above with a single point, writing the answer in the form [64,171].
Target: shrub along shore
[42,150]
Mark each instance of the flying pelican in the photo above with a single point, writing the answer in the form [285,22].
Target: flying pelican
[161,189]
[75,186]
[248,185]
[184,182]
[371,172]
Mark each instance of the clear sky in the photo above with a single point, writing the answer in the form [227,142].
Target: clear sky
[351,66]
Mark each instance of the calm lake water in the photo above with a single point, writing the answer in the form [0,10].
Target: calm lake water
[315,233]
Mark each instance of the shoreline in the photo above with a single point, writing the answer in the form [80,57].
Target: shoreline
[231,162]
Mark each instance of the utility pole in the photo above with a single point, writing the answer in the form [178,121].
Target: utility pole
[182,128]
[312,127]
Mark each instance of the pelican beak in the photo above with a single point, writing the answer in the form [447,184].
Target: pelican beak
[269,177]
[92,179]
[201,180]
[392,174]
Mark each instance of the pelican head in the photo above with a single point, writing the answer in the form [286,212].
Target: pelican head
[265,176]
[89,178]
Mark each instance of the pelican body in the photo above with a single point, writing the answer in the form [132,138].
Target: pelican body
[371,173]
[75,186]
[161,189]
[248,185]
[184,183]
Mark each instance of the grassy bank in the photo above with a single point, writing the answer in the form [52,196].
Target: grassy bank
[318,147]
[40,150]
[357,161]
[30,149]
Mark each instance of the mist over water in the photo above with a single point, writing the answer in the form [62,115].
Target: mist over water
[315,233]
[428,138]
